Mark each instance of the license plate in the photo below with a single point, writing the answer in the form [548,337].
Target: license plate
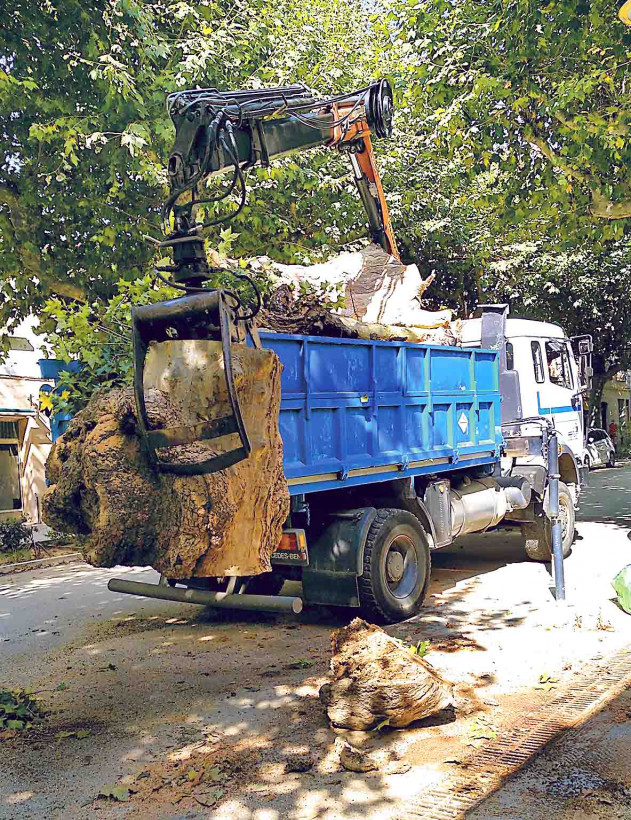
[292,550]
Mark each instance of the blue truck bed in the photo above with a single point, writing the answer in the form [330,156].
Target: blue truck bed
[357,412]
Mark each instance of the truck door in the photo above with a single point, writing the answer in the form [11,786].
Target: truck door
[558,392]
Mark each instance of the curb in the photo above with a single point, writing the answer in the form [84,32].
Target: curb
[39,563]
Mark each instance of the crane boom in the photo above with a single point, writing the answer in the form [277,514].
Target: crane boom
[218,132]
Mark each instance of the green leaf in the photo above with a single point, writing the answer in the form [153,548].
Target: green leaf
[120,794]
[301,663]
[15,724]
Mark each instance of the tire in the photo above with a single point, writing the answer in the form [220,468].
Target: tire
[269,583]
[538,535]
[392,588]
[612,460]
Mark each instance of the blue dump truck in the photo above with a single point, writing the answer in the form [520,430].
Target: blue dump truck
[393,449]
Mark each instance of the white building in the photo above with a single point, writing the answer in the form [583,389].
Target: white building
[25,439]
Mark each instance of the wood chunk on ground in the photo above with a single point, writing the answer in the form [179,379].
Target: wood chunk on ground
[370,758]
[378,681]
[104,488]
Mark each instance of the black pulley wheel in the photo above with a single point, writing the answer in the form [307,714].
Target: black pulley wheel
[381,109]
[396,567]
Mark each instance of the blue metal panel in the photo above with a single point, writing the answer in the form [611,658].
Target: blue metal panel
[356,412]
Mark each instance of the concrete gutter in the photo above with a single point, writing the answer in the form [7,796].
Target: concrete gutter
[38,563]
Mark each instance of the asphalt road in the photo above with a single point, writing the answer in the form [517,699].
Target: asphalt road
[45,608]
[147,677]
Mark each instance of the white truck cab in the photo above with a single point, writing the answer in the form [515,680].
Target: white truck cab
[541,381]
[549,379]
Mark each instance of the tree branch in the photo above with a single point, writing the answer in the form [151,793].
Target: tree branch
[29,257]
[602,207]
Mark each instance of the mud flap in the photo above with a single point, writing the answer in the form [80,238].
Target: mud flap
[336,559]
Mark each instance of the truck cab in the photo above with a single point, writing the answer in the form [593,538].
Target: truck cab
[549,379]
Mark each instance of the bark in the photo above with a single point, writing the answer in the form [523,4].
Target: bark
[600,377]
[308,315]
[105,489]
[377,680]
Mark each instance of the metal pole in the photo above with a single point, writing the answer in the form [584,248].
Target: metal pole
[553,514]
[264,603]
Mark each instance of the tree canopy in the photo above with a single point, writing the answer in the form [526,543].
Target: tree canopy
[537,90]
[86,133]
[508,173]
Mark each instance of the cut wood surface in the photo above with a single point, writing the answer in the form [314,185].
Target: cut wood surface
[104,488]
[377,680]
[382,300]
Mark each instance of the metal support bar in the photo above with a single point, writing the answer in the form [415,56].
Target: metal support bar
[224,600]
[553,513]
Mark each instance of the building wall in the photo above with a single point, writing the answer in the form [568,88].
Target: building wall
[24,432]
[616,407]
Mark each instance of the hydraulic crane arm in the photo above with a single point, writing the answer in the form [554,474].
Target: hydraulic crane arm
[221,132]
[218,133]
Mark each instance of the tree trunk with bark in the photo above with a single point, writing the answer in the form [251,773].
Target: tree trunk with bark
[378,681]
[105,489]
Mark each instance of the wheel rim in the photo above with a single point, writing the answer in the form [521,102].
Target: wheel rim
[564,517]
[401,566]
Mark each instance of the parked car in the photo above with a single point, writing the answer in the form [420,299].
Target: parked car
[600,449]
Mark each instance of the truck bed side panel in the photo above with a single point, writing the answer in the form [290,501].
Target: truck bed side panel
[355,411]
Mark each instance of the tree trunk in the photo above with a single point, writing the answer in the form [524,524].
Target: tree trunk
[105,489]
[377,680]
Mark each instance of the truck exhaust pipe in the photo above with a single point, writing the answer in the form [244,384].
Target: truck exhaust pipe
[221,600]
[482,503]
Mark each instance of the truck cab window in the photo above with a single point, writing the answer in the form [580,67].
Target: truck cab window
[558,361]
[510,358]
[537,361]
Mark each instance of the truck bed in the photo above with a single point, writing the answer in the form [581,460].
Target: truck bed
[358,412]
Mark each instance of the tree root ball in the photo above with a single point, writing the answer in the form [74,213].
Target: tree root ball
[105,489]
[377,680]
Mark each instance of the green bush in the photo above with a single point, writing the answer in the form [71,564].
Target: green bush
[13,537]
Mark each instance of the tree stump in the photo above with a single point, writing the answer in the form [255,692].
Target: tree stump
[377,680]
[126,512]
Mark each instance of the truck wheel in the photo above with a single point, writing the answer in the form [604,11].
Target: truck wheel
[538,535]
[396,568]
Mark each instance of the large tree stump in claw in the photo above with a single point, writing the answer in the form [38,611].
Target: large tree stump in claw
[105,489]
[377,679]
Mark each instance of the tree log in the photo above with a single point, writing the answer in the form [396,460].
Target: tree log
[105,489]
[377,680]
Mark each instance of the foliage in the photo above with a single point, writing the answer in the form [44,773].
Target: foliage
[420,648]
[586,290]
[82,91]
[537,93]
[18,710]
[13,537]
[509,160]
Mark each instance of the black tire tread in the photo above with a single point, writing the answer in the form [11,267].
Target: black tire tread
[536,534]
[369,604]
